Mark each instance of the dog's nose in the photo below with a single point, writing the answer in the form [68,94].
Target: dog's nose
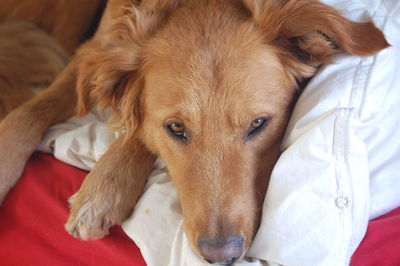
[221,250]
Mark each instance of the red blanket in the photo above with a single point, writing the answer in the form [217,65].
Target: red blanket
[32,222]
[33,215]
[381,244]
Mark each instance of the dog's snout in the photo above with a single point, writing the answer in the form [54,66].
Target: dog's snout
[221,250]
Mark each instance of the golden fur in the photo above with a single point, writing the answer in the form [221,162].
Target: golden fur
[66,21]
[29,59]
[36,39]
[209,68]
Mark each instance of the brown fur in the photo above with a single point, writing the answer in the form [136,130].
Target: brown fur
[214,66]
[36,38]
[29,59]
[66,20]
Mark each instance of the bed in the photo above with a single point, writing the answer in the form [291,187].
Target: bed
[33,215]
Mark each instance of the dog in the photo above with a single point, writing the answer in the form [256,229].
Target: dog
[208,86]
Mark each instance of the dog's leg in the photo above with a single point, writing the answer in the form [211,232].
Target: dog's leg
[14,99]
[22,129]
[111,190]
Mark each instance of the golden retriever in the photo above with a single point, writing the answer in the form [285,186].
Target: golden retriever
[208,86]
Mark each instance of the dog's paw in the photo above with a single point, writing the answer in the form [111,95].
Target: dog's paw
[89,219]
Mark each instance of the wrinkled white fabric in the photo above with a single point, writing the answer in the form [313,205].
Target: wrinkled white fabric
[79,141]
[339,167]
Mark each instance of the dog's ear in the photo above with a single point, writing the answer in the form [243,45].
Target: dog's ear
[109,71]
[314,32]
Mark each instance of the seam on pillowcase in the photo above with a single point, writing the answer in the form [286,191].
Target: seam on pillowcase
[342,173]
[357,97]
[361,81]
[340,138]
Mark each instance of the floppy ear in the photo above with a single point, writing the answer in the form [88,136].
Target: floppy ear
[109,72]
[314,32]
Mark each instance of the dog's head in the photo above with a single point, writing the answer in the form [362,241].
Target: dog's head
[208,86]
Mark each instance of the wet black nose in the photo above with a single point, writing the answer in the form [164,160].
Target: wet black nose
[221,250]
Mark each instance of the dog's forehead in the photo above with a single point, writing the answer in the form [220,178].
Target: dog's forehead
[238,87]
[229,69]
[204,32]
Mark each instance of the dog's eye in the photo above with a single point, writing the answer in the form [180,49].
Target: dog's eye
[177,130]
[257,126]
[257,122]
